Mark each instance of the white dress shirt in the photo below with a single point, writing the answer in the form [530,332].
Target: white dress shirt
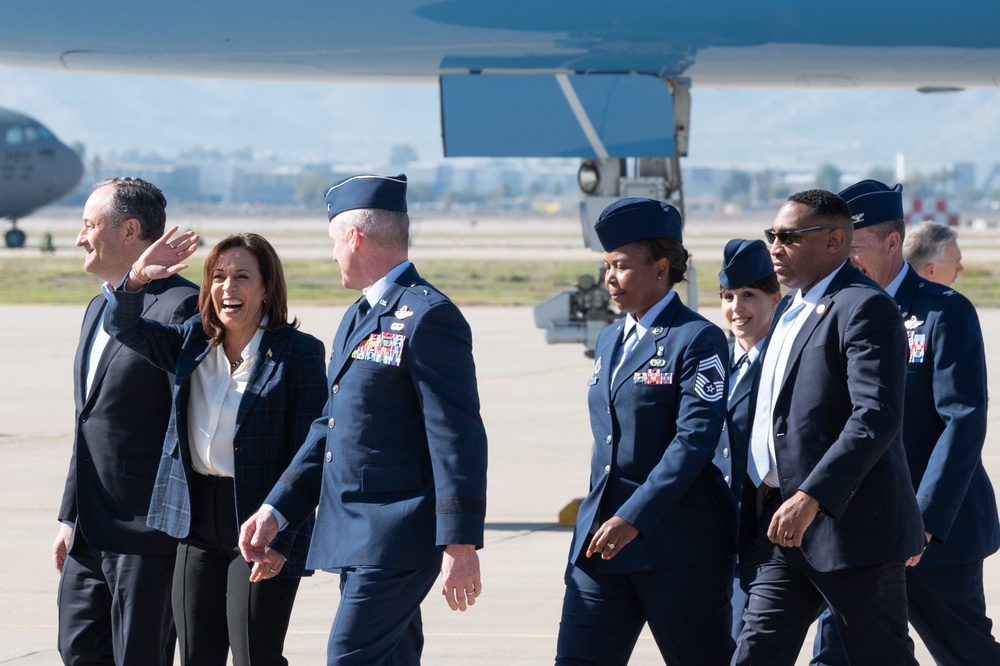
[213,405]
[762,466]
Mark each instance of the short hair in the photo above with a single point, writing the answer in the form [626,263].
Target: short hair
[925,243]
[883,229]
[825,205]
[271,274]
[139,199]
[389,229]
[767,284]
[673,251]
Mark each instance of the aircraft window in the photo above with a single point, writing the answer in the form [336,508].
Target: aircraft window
[44,133]
[14,136]
[30,134]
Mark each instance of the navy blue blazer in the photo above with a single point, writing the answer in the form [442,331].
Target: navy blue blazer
[944,424]
[731,454]
[119,431]
[285,393]
[838,429]
[655,429]
[397,463]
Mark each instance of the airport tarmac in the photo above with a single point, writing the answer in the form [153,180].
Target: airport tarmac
[533,398]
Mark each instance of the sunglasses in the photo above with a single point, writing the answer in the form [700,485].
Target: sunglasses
[790,236]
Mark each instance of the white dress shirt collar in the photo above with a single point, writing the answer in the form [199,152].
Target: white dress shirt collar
[376,291]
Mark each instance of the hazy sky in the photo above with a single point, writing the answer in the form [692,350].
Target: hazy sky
[790,128]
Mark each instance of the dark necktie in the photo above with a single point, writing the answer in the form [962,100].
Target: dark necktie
[360,310]
[739,364]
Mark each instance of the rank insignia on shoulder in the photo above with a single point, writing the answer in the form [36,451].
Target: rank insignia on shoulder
[913,323]
[950,292]
[403,312]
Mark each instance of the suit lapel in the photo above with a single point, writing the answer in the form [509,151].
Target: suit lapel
[345,344]
[907,290]
[91,320]
[113,346]
[271,348]
[646,347]
[819,312]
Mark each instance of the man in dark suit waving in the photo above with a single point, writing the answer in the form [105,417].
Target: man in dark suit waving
[397,463]
[944,428]
[829,515]
[114,589]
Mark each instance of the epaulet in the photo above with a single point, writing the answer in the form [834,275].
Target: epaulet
[424,291]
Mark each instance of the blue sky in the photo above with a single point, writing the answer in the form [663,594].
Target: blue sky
[746,128]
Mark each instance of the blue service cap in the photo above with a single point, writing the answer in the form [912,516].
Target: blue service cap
[629,220]
[872,202]
[744,262]
[366,191]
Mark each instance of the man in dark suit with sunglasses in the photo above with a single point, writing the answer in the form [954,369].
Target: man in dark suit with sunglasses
[828,514]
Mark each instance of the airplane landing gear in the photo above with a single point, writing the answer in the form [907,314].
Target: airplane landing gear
[15,238]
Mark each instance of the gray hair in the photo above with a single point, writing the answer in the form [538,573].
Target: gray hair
[925,243]
[387,229]
[139,199]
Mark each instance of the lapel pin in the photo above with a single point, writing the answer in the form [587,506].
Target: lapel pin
[821,308]
[269,353]
[382,302]
[657,330]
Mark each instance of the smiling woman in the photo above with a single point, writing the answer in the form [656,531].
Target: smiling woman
[247,386]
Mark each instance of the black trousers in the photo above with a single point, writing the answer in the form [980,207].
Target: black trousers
[114,608]
[868,605]
[216,607]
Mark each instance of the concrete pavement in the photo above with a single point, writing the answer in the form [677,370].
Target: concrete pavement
[533,399]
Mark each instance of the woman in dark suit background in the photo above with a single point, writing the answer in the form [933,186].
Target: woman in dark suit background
[248,385]
[655,538]
[749,292]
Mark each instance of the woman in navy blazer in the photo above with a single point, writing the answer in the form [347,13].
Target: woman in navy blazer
[247,387]
[655,538]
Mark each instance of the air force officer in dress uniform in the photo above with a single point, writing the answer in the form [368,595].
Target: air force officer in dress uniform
[944,427]
[831,515]
[655,537]
[397,464]
[749,291]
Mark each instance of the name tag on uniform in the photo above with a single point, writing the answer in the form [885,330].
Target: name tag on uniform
[386,348]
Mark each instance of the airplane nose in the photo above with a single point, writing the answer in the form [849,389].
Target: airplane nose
[65,172]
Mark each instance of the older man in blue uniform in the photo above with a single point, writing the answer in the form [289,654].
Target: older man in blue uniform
[397,463]
[944,428]
[655,537]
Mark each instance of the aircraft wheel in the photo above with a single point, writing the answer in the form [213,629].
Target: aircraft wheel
[15,238]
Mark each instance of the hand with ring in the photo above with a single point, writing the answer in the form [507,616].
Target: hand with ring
[164,257]
[611,537]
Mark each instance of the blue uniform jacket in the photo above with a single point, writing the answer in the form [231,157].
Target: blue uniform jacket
[655,429]
[731,454]
[397,463]
[285,394]
[944,423]
[838,429]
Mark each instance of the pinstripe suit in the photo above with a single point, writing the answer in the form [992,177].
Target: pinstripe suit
[286,391]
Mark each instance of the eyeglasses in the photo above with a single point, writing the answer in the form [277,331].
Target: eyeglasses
[789,236]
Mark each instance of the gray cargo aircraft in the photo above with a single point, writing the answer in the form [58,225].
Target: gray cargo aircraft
[36,169]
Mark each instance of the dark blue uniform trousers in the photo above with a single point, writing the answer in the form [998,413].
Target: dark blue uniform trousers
[686,606]
[378,620]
